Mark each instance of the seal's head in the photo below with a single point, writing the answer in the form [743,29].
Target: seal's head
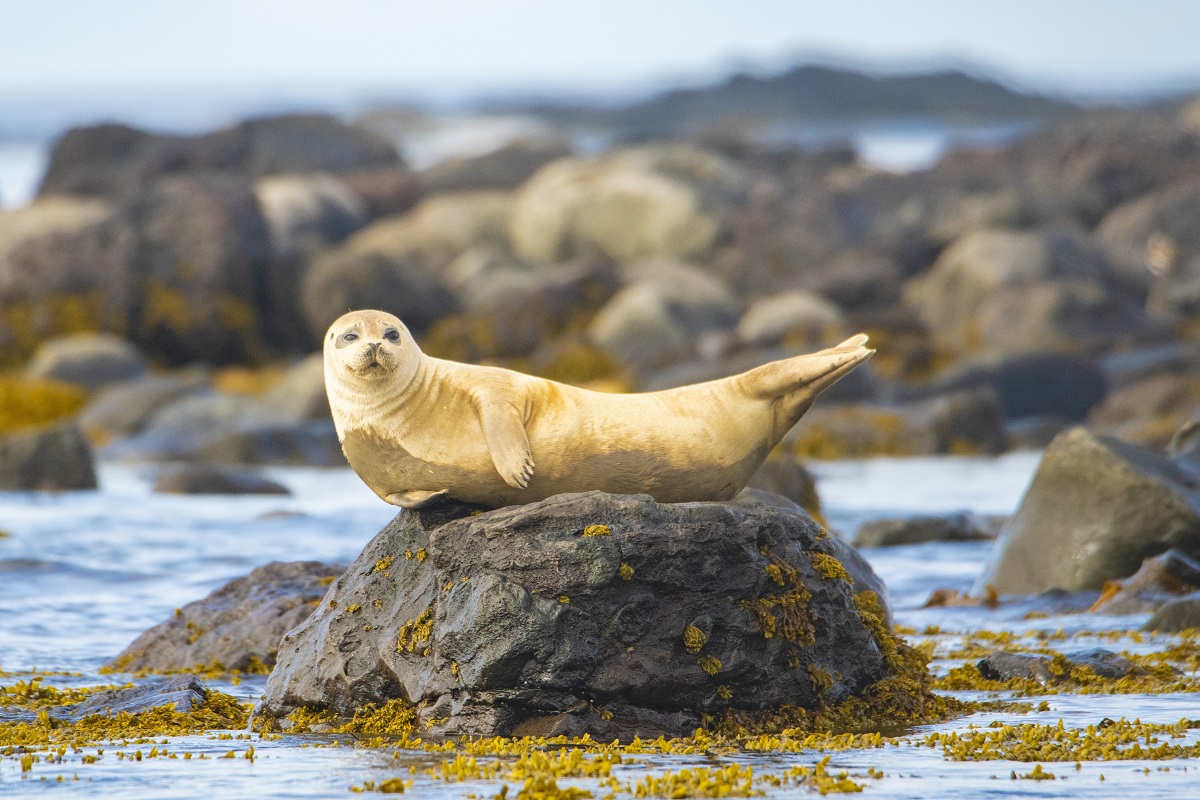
[370,347]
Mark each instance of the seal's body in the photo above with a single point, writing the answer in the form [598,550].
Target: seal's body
[417,428]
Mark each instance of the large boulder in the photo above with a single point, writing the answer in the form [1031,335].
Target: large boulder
[126,408]
[1027,385]
[51,459]
[605,614]
[235,627]
[307,212]
[659,200]
[1149,411]
[1015,291]
[655,319]
[399,264]
[1096,508]
[114,160]
[800,316]
[510,310]
[210,479]
[1158,237]
[92,360]
[968,422]
[230,429]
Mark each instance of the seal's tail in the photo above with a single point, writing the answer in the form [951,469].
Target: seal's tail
[798,381]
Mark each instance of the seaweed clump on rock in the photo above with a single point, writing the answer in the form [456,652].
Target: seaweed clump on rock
[514,622]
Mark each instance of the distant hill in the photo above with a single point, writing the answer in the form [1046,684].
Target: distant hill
[819,94]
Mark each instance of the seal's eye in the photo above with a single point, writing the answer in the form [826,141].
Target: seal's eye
[350,337]
[392,335]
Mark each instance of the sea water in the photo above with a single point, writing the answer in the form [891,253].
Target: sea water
[83,573]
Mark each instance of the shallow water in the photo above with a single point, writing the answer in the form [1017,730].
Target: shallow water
[82,574]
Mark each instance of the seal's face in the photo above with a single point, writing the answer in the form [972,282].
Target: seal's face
[370,345]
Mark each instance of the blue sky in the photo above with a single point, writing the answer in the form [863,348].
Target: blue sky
[463,47]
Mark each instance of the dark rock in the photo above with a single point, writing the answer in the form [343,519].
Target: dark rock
[230,429]
[504,169]
[654,320]
[1014,292]
[114,160]
[1158,581]
[862,576]
[92,360]
[385,191]
[1002,666]
[1157,236]
[509,312]
[183,692]
[1105,663]
[201,258]
[958,423]
[1127,368]
[1034,433]
[202,479]
[126,408]
[1149,411]
[52,459]
[961,527]
[305,213]
[785,475]
[515,621]
[1052,384]
[1096,508]
[1178,615]
[300,396]
[237,626]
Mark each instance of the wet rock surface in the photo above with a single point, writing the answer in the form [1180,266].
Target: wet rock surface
[961,527]
[237,627]
[1095,510]
[57,458]
[1178,615]
[1158,581]
[1003,666]
[207,479]
[92,360]
[597,613]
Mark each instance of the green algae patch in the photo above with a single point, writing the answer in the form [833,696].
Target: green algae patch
[732,780]
[1110,740]
[785,613]
[827,565]
[416,632]
[694,639]
[1152,676]
[218,712]
[394,718]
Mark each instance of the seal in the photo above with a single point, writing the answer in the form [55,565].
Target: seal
[417,429]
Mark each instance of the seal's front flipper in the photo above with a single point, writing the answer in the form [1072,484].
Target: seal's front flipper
[415,499]
[507,441]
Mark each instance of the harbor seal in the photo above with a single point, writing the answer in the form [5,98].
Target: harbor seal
[417,429]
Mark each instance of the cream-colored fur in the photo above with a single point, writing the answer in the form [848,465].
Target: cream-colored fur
[417,428]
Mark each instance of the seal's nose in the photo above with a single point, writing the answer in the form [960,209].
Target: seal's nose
[373,347]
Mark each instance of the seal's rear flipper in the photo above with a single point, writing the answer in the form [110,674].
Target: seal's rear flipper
[415,499]
[806,376]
